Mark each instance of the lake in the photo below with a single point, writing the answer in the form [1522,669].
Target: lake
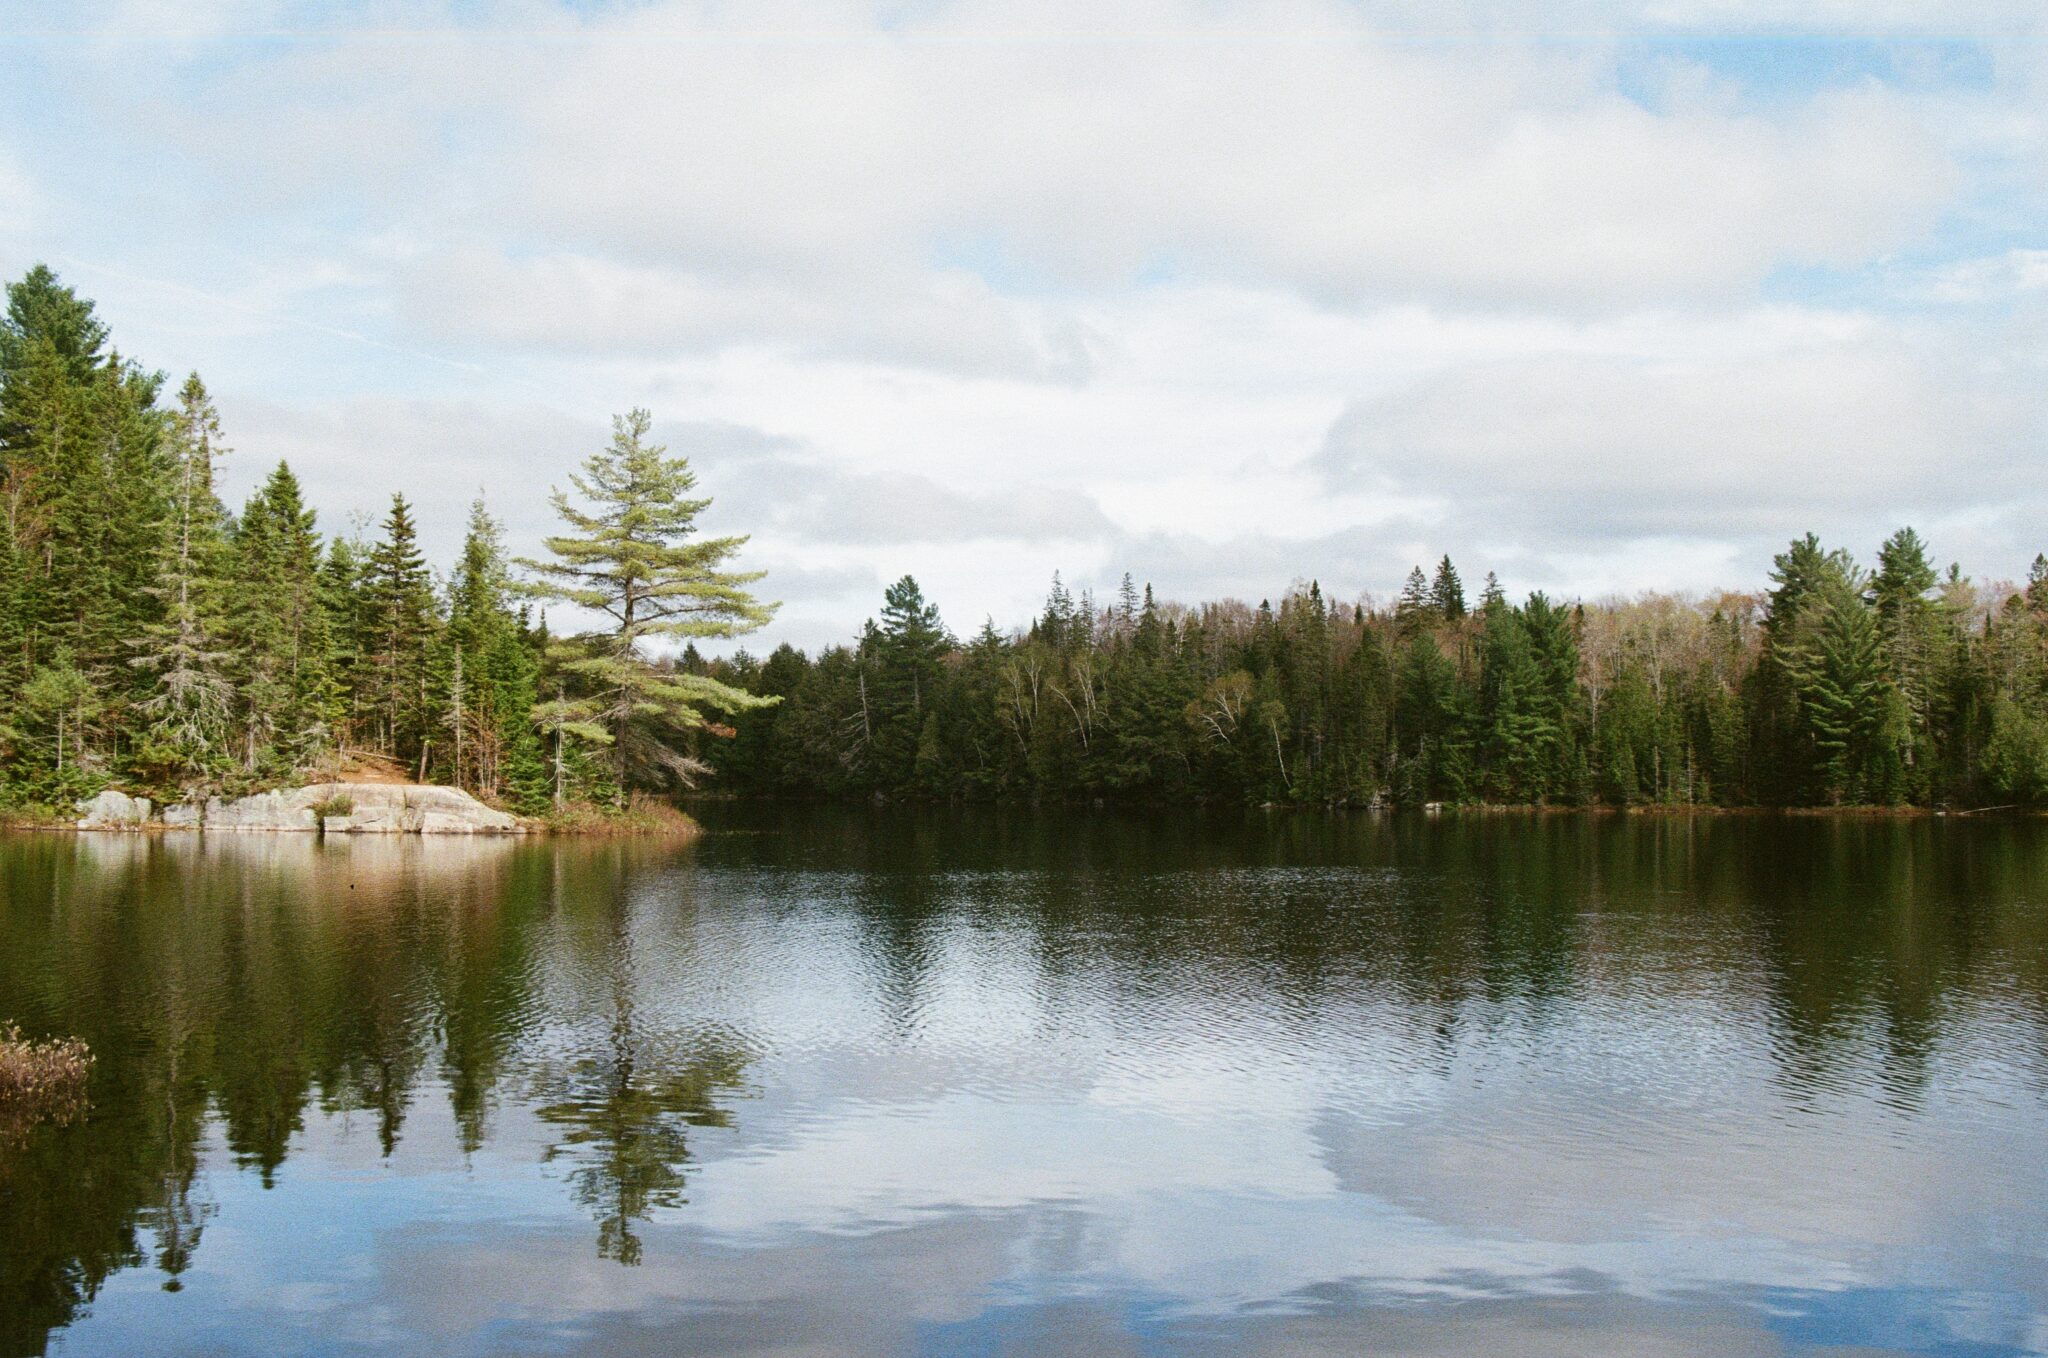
[834,1081]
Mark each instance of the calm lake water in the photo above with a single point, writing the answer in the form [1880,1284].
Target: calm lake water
[851,1082]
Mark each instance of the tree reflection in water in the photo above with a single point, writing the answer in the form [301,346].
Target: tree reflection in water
[626,1125]
[627,1106]
[240,996]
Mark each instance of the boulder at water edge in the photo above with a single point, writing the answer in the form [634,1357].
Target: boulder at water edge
[113,810]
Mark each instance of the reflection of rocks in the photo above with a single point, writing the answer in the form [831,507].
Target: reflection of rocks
[337,808]
[113,810]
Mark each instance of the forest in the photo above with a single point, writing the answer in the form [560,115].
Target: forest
[1837,686]
[154,639]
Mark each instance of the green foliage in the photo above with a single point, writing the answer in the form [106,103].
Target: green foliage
[635,558]
[151,640]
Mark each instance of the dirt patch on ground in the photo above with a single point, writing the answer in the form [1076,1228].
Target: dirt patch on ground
[360,766]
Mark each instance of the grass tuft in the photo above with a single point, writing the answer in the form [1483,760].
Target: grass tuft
[40,1081]
[640,816]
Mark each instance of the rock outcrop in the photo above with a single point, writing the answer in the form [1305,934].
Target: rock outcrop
[113,810]
[287,810]
[335,808]
[389,809]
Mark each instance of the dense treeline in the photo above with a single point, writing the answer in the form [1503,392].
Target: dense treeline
[1836,686]
[153,638]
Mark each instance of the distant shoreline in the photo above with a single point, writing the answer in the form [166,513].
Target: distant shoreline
[335,809]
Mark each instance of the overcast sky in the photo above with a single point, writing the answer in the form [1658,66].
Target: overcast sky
[1593,294]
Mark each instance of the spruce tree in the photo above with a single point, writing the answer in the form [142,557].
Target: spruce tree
[190,703]
[910,646]
[1836,662]
[1910,632]
[635,557]
[290,702]
[489,676]
[399,626]
[1413,611]
[1447,591]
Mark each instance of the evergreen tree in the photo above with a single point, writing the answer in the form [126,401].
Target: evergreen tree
[635,557]
[1447,592]
[289,700]
[399,632]
[1911,634]
[1415,610]
[191,704]
[1836,662]
[489,676]
[909,653]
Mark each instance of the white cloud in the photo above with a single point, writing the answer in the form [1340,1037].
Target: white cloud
[947,319]
[1315,159]
[1572,450]
[978,290]
[1994,278]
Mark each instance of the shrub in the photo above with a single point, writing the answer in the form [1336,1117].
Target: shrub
[40,1081]
[339,805]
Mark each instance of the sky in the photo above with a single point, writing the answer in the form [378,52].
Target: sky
[1598,296]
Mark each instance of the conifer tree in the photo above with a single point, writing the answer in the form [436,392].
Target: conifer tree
[1910,630]
[1447,592]
[343,604]
[488,678]
[1413,611]
[191,701]
[635,556]
[399,628]
[910,645]
[1836,662]
[290,703]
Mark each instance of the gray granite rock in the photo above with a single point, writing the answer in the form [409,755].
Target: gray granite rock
[382,808]
[113,810]
[338,808]
[288,810]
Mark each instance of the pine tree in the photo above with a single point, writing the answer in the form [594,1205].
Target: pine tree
[1910,631]
[1447,592]
[1784,754]
[910,647]
[490,672]
[1413,611]
[289,701]
[190,705]
[15,617]
[343,605]
[1836,661]
[635,557]
[399,628]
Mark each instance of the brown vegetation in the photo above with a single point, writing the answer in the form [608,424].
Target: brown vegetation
[40,1081]
[642,815]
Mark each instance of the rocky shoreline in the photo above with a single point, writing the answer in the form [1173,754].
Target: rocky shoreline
[319,808]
